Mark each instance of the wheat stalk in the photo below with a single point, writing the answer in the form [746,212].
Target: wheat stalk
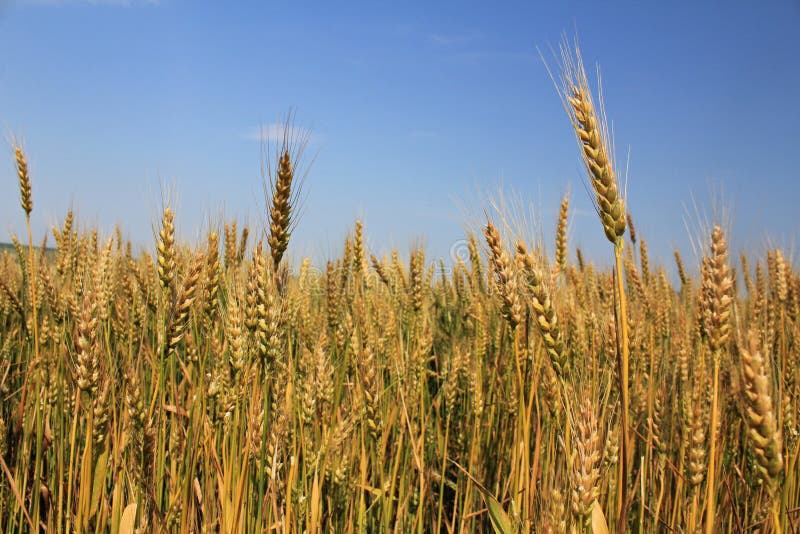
[760,416]
[717,298]
[280,211]
[545,315]
[501,267]
[561,236]
[166,250]
[591,131]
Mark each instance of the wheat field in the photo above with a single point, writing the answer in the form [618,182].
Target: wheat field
[209,387]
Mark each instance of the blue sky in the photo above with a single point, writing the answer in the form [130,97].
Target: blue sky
[417,111]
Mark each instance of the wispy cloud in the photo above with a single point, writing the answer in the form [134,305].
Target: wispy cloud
[276,132]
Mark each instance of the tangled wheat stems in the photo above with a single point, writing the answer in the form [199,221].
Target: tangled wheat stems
[192,387]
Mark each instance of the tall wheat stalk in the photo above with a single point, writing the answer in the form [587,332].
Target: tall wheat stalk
[283,182]
[26,200]
[717,299]
[591,131]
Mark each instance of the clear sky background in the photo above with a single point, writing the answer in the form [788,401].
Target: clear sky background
[418,111]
